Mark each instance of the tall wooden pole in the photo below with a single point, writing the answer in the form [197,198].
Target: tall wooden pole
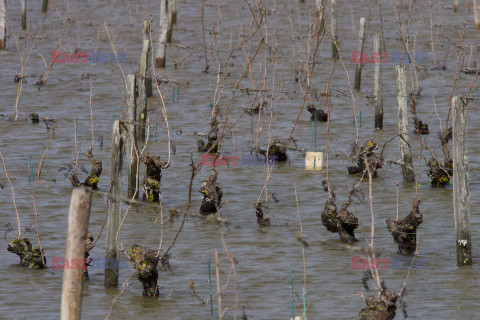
[407,166]
[78,216]
[117,155]
[142,83]
[456,5]
[131,110]
[170,11]
[461,197]
[377,83]
[358,70]
[3,25]
[24,14]
[45,6]
[161,46]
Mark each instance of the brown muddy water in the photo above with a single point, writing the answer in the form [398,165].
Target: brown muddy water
[438,290]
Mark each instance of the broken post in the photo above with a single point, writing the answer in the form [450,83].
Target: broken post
[132,136]
[117,155]
[24,14]
[333,26]
[3,25]
[461,197]
[142,83]
[407,166]
[45,6]
[161,46]
[377,84]
[170,10]
[78,216]
[358,70]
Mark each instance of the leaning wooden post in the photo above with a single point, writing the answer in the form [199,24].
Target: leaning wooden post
[131,110]
[24,14]
[407,166]
[333,26]
[3,25]
[161,46]
[117,155]
[358,70]
[142,83]
[45,6]
[461,197]
[377,83]
[78,216]
[170,10]
[476,13]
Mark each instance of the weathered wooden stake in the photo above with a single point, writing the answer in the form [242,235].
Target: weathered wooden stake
[377,83]
[142,83]
[476,13]
[321,16]
[170,10]
[78,216]
[461,197]
[45,6]
[358,70]
[131,110]
[456,5]
[333,26]
[174,13]
[117,155]
[3,25]
[161,46]
[24,14]
[407,166]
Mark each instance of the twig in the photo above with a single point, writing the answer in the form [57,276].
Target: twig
[13,194]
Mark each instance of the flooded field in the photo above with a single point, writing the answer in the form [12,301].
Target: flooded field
[255,51]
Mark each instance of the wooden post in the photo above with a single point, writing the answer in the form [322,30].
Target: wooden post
[377,83]
[24,14]
[174,12]
[476,13]
[78,216]
[45,6]
[117,155]
[461,197]
[333,26]
[142,83]
[358,70]
[321,16]
[456,5]
[131,110]
[161,46]
[407,166]
[170,9]
[3,25]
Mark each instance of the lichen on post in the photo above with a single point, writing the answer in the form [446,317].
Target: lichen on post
[30,257]
[212,195]
[92,180]
[153,177]
[145,263]
[404,231]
